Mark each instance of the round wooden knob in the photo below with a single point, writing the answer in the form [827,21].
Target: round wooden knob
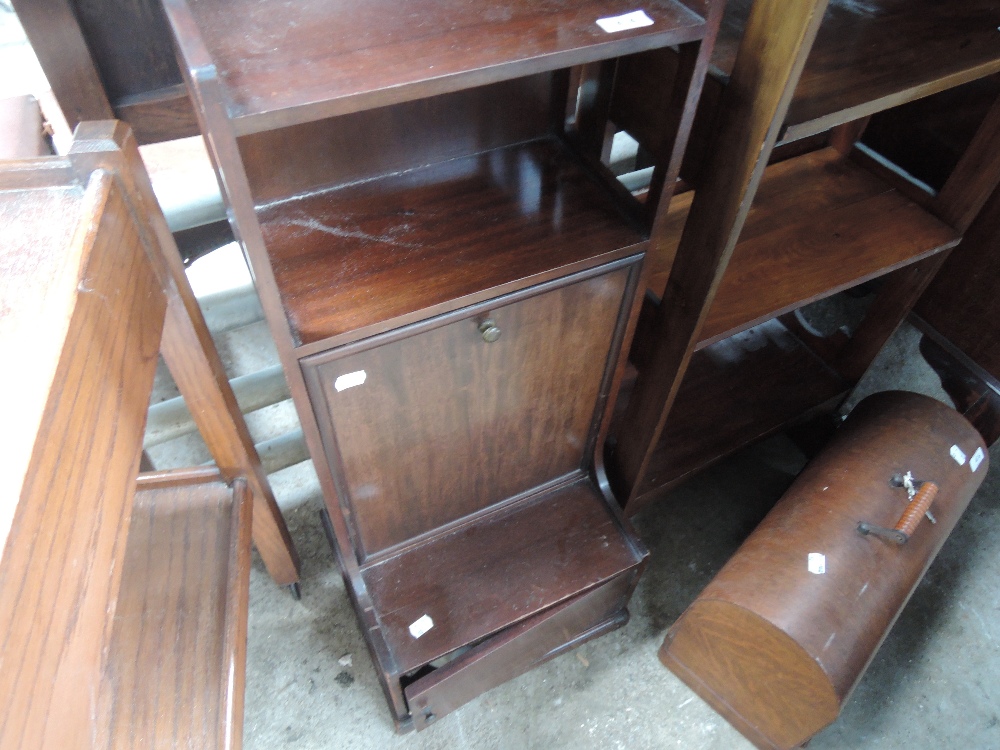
[489,330]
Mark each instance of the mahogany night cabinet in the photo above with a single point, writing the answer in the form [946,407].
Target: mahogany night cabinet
[452,274]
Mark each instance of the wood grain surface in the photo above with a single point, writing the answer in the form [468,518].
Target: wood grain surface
[93,351]
[504,567]
[436,239]
[177,655]
[807,637]
[873,55]
[344,57]
[446,424]
[737,391]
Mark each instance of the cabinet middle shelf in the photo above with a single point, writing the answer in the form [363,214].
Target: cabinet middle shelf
[357,260]
[820,224]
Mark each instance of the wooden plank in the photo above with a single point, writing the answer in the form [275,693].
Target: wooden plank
[772,53]
[879,54]
[819,224]
[55,35]
[94,352]
[505,567]
[327,48]
[163,114]
[21,129]
[188,349]
[436,239]
[735,392]
[177,656]
[962,303]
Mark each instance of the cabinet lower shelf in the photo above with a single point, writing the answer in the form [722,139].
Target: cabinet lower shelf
[491,583]
[720,409]
[819,224]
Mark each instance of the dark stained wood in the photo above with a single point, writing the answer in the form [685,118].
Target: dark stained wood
[518,649]
[419,442]
[976,175]
[517,562]
[327,48]
[974,392]
[437,238]
[743,142]
[873,55]
[106,58]
[163,114]
[819,224]
[62,50]
[962,302]
[792,262]
[72,269]
[177,656]
[379,142]
[408,199]
[737,391]
[778,649]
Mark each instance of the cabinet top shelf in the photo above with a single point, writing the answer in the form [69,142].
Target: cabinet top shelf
[871,55]
[284,63]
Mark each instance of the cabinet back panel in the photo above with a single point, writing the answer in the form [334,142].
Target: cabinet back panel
[446,424]
[341,150]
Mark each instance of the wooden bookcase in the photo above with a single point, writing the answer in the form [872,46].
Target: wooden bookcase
[787,209]
[452,274]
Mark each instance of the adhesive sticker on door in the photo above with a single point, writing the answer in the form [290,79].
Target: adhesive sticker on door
[349,380]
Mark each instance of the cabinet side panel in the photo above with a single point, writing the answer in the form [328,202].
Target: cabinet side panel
[377,142]
[445,424]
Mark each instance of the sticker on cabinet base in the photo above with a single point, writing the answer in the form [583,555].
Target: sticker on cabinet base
[421,625]
[958,454]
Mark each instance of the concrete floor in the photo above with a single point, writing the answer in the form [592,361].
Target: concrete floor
[934,684]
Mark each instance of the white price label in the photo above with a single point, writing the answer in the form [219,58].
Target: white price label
[634,20]
[958,454]
[421,625]
[349,380]
[977,458]
[817,563]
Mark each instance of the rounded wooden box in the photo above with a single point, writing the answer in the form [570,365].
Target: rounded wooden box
[777,641]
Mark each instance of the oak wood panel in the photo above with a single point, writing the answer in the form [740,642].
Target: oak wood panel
[177,654]
[187,344]
[328,48]
[505,568]
[426,241]
[774,50]
[877,54]
[336,151]
[819,224]
[100,321]
[518,649]
[735,392]
[446,424]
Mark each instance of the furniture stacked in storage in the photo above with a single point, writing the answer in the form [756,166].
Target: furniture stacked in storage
[779,639]
[123,600]
[451,273]
[787,209]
